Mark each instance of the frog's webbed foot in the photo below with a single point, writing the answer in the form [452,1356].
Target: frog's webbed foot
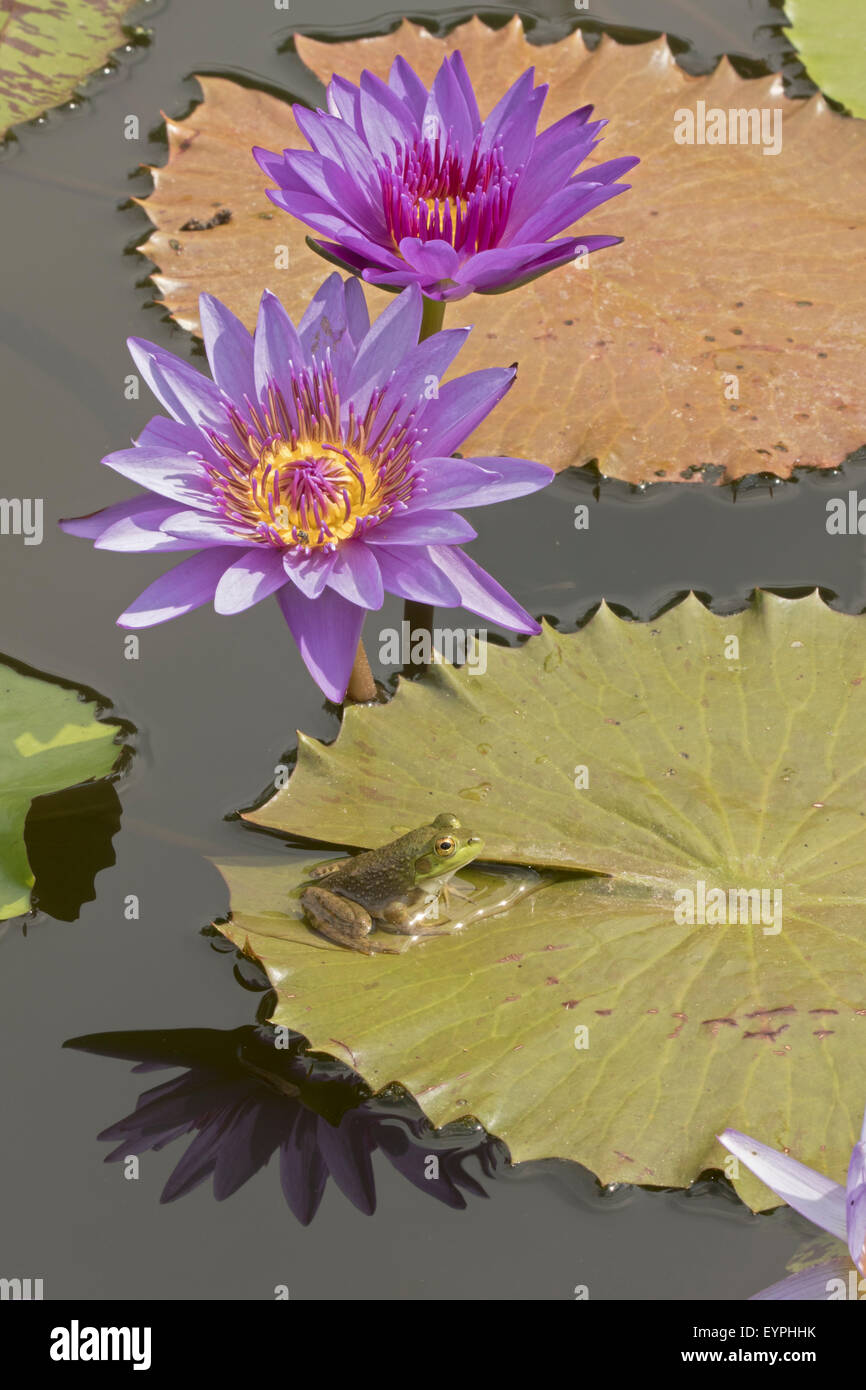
[401,922]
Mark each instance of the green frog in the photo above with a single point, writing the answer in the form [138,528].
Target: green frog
[394,887]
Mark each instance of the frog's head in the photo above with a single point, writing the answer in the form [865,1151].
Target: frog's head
[444,847]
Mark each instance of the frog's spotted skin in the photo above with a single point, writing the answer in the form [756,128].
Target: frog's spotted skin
[393,887]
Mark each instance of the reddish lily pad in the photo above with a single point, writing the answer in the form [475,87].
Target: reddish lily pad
[726,332]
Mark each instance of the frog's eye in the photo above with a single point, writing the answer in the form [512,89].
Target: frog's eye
[445,846]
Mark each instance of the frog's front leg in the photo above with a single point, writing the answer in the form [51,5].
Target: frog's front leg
[456,888]
[397,918]
[342,921]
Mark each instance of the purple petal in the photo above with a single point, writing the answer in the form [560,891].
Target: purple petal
[562,208]
[359,207]
[251,578]
[811,1194]
[403,80]
[170,436]
[352,246]
[357,314]
[197,527]
[324,324]
[446,110]
[309,208]
[176,476]
[609,171]
[355,574]
[336,141]
[344,101]
[555,253]
[384,117]
[812,1285]
[187,586]
[477,482]
[304,171]
[479,591]
[187,395]
[418,377]
[309,573]
[327,631]
[268,161]
[458,67]
[413,575]
[93,525]
[518,131]
[503,265]
[391,337]
[276,346]
[856,1202]
[141,533]
[555,155]
[399,279]
[514,118]
[447,482]
[437,260]
[421,528]
[514,99]
[229,348]
[461,406]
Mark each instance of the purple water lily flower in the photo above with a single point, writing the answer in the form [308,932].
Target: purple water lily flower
[314,466]
[839,1210]
[410,186]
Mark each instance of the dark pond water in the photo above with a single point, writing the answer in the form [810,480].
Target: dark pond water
[215,704]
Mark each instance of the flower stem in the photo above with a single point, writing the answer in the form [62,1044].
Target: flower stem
[361,687]
[419,616]
[432,317]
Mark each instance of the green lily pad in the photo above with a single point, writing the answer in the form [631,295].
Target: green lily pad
[47,47]
[723,751]
[49,739]
[830,36]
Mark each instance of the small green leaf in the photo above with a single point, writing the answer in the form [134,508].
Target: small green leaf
[695,749]
[830,36]
[49,739]
[47,47]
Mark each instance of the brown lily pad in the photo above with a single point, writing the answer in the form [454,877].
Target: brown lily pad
[726,331]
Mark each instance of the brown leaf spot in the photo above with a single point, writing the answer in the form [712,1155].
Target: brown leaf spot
[768,1034]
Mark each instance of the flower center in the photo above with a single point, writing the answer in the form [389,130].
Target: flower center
[432,192]
[305,497]
[294,476]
